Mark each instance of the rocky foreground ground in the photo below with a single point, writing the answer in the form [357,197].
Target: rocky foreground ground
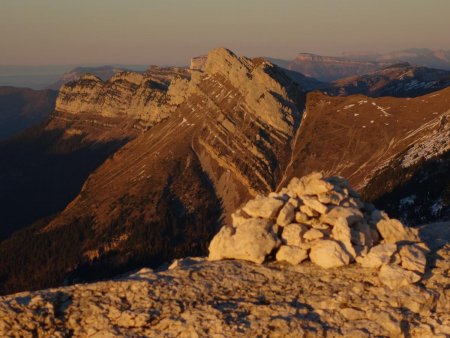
[200,298]
[311,260]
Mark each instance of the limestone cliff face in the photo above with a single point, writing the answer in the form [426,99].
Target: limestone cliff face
[252,111]
[144,97]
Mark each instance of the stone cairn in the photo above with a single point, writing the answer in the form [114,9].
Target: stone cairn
[326,221]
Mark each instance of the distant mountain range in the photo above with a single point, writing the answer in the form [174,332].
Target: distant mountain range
[49,77]
[399,80]
[331,68]
[415,56]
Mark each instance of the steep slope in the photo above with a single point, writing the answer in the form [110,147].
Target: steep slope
[357,136]
[44,168]
[21,108]
[400,80]
[306,82]
[162,195]
[329,68]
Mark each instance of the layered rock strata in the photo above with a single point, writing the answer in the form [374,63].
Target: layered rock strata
[147,97]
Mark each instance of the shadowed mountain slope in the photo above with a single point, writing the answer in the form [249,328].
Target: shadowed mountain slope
[21,108]
[401,80]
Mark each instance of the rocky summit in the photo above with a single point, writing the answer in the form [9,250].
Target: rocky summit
[334,266]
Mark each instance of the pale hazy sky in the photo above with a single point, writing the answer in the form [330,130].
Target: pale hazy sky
[171,31]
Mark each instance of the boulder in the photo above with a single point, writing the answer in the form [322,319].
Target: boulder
[264,207]
[331,197]
[293,234]
[329,254]
[350,214]
[342,233]
[291,254]
[294,201]
[307,211]
[362,235]
[253,240]
[286,215]
[396,277]
[239,217]
[314,204]
[378,255]
[312,184]
[301,217]
[393,231]
[413,258]
[313,234]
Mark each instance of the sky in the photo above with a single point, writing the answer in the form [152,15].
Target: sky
[170,32]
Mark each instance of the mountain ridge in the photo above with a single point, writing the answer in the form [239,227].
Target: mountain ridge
[239,127]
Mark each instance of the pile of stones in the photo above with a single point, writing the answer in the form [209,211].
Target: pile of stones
[325,221]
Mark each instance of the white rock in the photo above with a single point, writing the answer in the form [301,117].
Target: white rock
[239,217]
[350,214]
[378,255]
[342,233]
[265,207]
[291,254]
[314,204]
[395,277]
[295,202]
[251,241]
[316,224]
[330,197]
[413,258]
[301,217]
[329,254]
[286,215]
[393,231]
[293,234]
[312,184]
[313,234]
[307,211]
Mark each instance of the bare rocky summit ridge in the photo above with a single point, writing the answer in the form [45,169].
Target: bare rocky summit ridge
[199,298]
[325,220]
[146,97]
